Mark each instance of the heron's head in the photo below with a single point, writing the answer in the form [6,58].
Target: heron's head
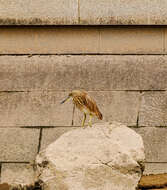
[73,94]
[68,97]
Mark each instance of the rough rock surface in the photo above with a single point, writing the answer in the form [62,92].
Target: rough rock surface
[106,156]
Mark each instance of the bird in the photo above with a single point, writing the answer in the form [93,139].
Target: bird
[85,104]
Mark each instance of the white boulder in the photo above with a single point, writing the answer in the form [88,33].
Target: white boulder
[103,157]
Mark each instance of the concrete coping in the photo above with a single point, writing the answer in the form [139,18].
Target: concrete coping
[83,12]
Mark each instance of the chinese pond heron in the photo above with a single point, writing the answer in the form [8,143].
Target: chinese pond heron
[84,103]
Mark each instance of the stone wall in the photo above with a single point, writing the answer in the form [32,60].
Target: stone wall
[123,66]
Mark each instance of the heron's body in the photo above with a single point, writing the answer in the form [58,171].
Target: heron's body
[86,104]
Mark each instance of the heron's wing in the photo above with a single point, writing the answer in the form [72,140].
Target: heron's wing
[91,104]
[84,100]
[81,100]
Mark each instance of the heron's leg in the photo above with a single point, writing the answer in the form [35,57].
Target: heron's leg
[90,121]
[73,115]
[83,121]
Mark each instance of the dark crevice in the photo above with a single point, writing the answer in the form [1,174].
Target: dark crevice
[13,162]
[40,140]
[132,126]
[137,122]
[155,162]
[11,91]
[79,11]
[75,126]
[81,54]
[143,26]
[45,90]
[154,126]
[40,127]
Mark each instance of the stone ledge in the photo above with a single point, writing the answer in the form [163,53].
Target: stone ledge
[83,12]
[92,73]
[82,40]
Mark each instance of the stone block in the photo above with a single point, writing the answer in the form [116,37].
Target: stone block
[155,168]
[81,40]
[38,108]
[153,109]
[18,144]
[22,73]
[17,173]
[155,143]
[49,135]
[49,40]
[54,12]
[132,40]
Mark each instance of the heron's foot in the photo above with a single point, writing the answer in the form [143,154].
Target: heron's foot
[83,126]
[90,124]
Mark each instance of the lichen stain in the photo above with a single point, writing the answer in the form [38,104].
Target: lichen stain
[37,21]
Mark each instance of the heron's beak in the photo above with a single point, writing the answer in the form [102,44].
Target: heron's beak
[65,100]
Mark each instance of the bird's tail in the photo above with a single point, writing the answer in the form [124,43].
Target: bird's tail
[99,115]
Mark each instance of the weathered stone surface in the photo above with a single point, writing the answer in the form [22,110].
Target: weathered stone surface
[115,106]
[13,173]
[157,10]
[98,12]
[155,143]
[18,144]
[87,72]
[132,12]
[40,108]
[123,12]
[106,156]
[165,40]
[132,40]
[155,168]
[43,108]
[54,12]
[49,135]
[49,40]
[102,12]
[153,109]
[81,40]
